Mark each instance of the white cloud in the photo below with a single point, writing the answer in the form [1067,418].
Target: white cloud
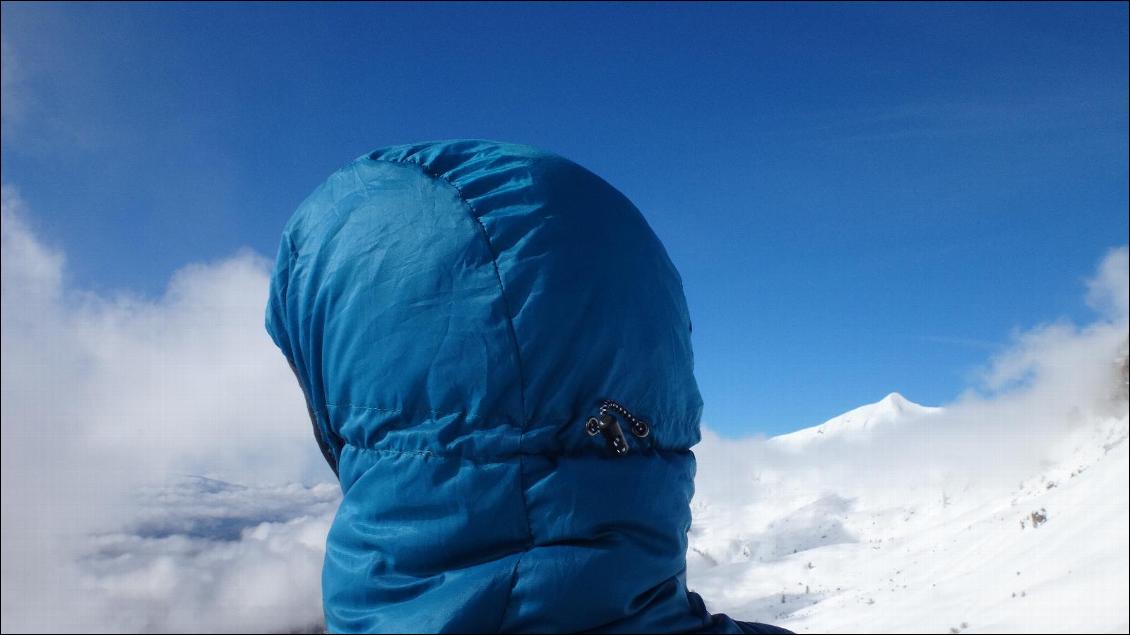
[104,395]
[203,557]
[1108,292]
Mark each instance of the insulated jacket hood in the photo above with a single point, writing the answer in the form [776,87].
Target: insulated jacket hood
[456,313]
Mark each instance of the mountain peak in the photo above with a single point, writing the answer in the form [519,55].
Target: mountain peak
[890,410]
[896,402]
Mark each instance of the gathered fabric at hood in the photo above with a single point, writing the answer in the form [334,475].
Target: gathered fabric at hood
[456,314]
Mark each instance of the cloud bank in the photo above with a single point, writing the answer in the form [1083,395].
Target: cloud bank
[105,396]
[1033,405]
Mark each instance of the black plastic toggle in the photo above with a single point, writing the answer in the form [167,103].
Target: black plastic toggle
[613,435]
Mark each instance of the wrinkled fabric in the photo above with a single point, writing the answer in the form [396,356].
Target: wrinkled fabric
[454,313]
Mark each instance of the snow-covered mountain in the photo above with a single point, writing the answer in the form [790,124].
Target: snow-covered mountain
[856,424]
[852,526]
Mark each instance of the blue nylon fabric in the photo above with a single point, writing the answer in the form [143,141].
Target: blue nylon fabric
[454,312]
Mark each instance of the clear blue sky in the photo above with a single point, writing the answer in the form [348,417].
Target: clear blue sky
[860,198]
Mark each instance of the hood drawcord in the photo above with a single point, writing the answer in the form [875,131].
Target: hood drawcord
[605,423]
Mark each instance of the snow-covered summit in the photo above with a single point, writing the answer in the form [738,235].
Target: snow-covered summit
[893,409]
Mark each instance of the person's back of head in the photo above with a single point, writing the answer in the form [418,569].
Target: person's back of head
[495,349]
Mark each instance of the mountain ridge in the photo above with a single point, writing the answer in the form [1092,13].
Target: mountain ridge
[893,409]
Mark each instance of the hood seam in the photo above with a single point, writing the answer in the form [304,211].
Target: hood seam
[474,214]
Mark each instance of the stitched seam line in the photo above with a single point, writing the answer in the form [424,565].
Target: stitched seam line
[517,360]
[432,414]
[397,411]
[428,454]
[474,214]
[389,410]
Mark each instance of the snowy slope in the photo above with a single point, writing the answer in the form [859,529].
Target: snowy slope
[933,553]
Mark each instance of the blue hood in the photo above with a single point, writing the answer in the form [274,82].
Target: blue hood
[455,313]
